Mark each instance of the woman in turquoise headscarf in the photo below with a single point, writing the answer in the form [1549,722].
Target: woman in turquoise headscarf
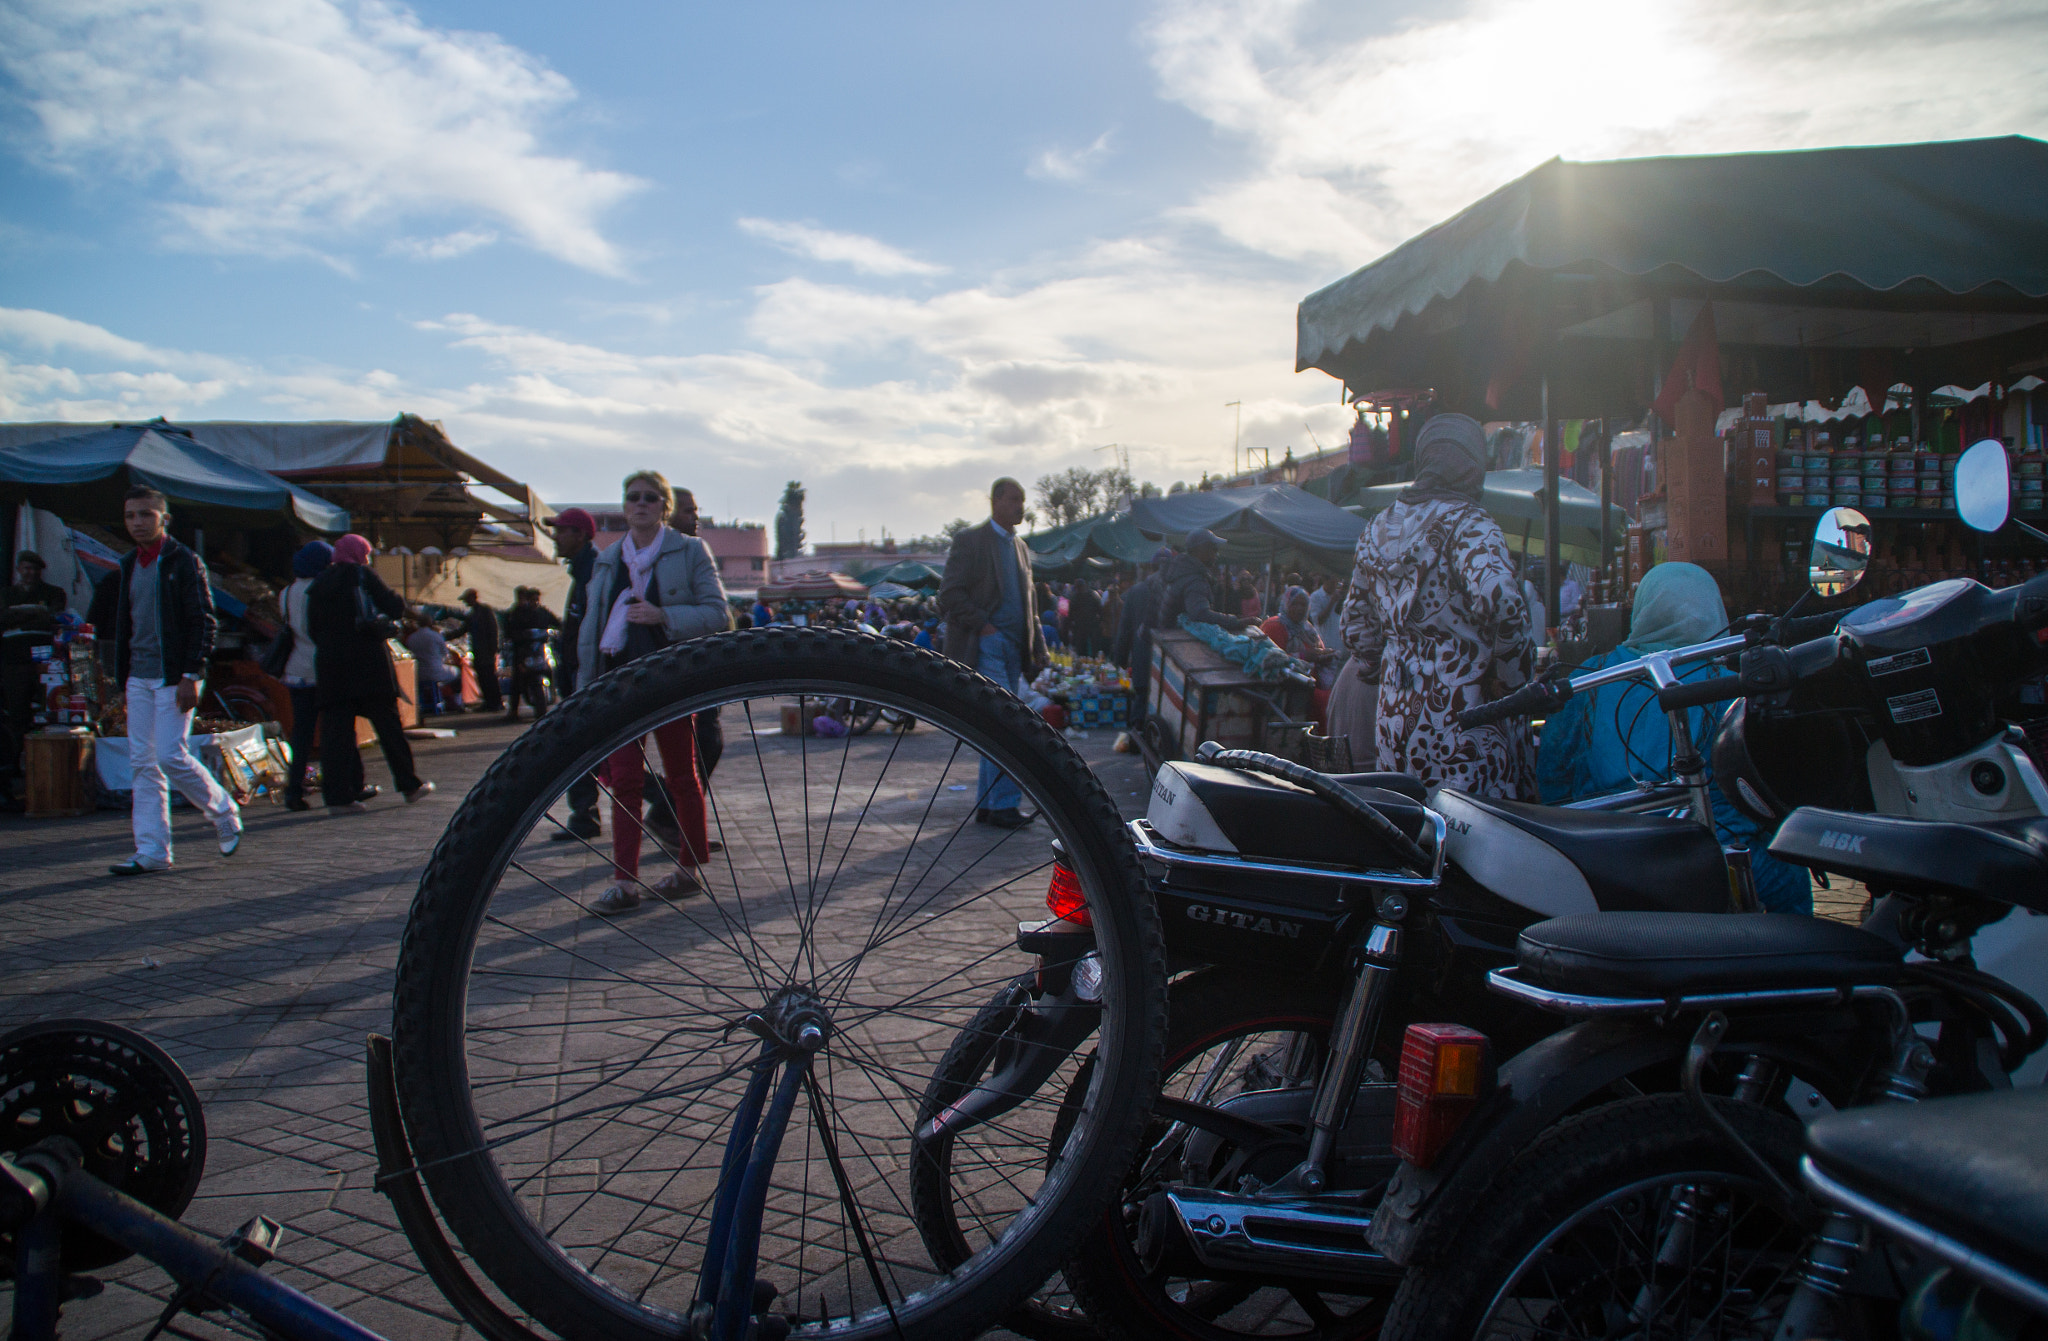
[1604,740]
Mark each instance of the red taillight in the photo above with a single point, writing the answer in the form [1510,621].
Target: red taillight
[1442,1069]
[1064,900]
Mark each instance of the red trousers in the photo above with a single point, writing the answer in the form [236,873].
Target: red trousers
[623,773]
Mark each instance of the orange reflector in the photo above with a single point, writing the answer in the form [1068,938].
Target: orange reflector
[1443,1067]
[1064,900]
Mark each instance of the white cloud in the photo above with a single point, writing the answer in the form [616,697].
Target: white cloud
[1069,165]
[868,255]
[1358,143]
[281,126]
[445,247]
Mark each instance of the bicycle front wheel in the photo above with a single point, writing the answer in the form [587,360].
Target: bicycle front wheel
[569,1030]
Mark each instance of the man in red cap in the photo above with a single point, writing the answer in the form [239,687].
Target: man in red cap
[574,531]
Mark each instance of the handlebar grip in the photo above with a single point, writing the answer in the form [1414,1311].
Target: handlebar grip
[1530,699]
[1807,627]
[1699,693]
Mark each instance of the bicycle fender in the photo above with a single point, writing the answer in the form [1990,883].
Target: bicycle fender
[1536,1088]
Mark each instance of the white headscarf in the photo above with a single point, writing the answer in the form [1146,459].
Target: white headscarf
[638,564]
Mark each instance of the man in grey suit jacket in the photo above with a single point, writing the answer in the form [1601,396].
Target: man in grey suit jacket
[991,613]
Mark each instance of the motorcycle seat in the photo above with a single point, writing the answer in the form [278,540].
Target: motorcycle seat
[1632,863]
[1692,954]
[1399,783]
[1973,1167]
[2005,860]
[1223,809]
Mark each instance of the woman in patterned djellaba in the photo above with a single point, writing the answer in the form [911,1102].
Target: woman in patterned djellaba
[1436,621]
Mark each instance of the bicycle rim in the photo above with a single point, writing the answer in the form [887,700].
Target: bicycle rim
[572,1076]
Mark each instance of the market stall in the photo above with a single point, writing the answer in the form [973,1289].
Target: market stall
[1737,306]
[66,493]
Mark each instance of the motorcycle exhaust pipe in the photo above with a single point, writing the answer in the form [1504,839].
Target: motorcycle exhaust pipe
[1231,1235]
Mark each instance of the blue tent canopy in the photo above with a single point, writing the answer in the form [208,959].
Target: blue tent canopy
[163,458]
[1259,520]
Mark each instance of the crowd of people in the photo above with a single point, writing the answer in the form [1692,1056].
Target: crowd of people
[1436,616]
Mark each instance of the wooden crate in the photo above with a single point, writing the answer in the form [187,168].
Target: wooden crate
[55,761]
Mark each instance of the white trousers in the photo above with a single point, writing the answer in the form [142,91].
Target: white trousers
[156,748]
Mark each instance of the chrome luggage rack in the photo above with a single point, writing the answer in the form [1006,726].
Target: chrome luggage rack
[1504,981]
[1158,849]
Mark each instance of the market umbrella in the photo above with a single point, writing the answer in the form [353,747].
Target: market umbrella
[85,476]
[1258,521]
[907,573]
[1515,498]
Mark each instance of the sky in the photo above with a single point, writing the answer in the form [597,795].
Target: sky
[890,250]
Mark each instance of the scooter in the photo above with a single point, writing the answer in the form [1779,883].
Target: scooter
[1542,1203]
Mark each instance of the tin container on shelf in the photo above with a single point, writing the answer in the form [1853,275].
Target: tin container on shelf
[1873,501]
[1815,500]
[2030,502]
[1846,482]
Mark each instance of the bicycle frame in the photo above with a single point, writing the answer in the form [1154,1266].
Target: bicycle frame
[47,1177]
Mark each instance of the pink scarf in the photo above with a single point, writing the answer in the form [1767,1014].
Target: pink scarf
[638,564]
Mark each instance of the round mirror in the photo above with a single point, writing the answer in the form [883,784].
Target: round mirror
[1841,551]
[1984,486]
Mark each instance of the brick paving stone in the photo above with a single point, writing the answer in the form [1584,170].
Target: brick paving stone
[261,975]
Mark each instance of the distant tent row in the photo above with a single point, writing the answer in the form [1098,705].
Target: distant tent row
[84,476]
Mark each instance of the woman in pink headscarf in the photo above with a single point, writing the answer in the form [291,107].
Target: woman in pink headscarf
[351,614]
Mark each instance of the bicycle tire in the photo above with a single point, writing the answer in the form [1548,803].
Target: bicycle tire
[475,1196]
[1207,1009]
[1563,1178]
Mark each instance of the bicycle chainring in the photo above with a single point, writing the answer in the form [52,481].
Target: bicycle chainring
[127,1105]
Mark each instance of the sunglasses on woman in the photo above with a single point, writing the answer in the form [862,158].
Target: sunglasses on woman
[637,497]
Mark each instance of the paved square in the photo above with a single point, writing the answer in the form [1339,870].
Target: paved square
[262,974]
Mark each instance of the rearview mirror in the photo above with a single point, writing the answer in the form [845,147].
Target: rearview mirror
[1984,486]
[1841,551]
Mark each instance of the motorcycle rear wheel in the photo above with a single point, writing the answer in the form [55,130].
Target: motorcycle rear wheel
[1564,1242]
[567,1076]
[1210,1011]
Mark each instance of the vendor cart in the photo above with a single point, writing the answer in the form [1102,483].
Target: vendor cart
[1196,695]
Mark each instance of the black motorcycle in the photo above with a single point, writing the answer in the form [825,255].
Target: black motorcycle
[1553,1207]
[1309,918]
